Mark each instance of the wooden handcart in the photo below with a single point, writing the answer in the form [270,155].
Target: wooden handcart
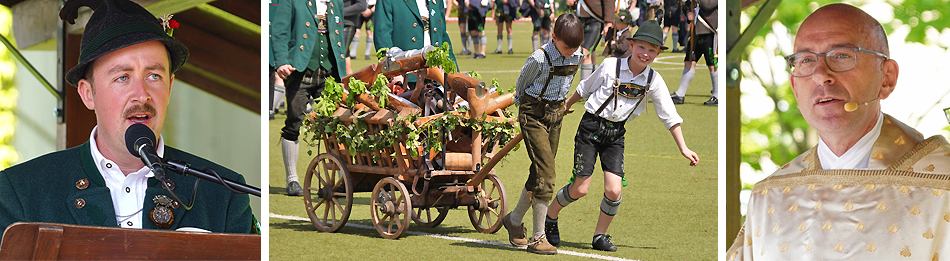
[421,188]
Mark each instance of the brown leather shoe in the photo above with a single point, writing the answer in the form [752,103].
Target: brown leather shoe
[515,233]
[541,246]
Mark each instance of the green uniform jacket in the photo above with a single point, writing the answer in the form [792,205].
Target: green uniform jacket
[295,31]
[270,38]
[47,189]
[399,24]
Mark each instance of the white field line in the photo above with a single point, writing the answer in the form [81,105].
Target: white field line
[659,61]
[470,240]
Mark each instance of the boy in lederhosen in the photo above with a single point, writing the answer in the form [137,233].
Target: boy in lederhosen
[477,13]
[506,11]
[544,82]
[540,12]
[615,92]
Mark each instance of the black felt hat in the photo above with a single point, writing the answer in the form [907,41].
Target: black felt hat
[650,32]
[116,24]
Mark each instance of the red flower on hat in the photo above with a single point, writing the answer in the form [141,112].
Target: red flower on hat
[168,24]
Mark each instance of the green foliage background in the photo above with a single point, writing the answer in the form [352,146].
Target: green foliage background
[8,93]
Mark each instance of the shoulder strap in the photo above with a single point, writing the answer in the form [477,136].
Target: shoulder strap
[547,81]
[650,79]
[613,95]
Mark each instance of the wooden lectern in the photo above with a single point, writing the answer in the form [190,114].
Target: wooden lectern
[47,241]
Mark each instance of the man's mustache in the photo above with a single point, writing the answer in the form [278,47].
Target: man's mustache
[139,108]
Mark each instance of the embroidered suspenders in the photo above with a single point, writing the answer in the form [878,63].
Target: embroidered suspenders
[626,90]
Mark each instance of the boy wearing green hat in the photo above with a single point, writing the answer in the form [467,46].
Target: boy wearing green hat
[617,44]
[615,92]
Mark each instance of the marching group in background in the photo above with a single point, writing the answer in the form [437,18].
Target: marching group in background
[312,40]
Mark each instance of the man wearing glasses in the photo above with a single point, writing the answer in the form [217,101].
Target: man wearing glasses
[873,188]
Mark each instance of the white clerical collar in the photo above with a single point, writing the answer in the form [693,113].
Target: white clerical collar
[105,165]
[857,156]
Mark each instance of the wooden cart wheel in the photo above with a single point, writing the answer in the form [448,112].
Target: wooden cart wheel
[328,192]
[391,209]
[424,218]
[486,216]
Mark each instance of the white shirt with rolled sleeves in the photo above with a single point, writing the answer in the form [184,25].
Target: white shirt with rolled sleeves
[598,87]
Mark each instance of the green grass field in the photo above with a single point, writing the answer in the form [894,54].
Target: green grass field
[669,210]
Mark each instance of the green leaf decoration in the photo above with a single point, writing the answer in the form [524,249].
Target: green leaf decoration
[440,57]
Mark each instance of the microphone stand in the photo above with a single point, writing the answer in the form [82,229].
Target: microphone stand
[183,168]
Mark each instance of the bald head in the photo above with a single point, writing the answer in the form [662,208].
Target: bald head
[843,18]
[824,96]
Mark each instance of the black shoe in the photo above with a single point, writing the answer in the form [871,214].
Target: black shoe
[712,101]
[676,50]
[510,51]
[293,189]
[366,56]
[496,52]
[479,56]
[677,99]
[602,242]
[271,116]
[551,232]
[465,52]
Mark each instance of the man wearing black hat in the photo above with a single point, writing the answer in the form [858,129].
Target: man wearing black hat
[308,48]
[125,73]
[615,93]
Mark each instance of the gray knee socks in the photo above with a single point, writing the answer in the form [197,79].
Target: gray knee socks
[684,82]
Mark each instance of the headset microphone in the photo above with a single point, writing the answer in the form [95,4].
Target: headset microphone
[853,106]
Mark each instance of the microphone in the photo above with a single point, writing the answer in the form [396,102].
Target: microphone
[853,106]
[140,140]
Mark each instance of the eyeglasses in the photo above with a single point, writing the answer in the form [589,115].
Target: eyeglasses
[839,59]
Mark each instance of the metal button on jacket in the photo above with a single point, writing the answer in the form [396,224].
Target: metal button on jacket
[413,39]
[308,24]
[414,24]
[309,3]
[304,36]
[80,203]
[339,44]
[170,184]
[82,184]
[336,31]
[301,47]
[341,56]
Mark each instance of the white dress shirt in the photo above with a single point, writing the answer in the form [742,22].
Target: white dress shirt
[128,192]
[598,87]
[620,33]
[322,7]
[856,157]
[424,12]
